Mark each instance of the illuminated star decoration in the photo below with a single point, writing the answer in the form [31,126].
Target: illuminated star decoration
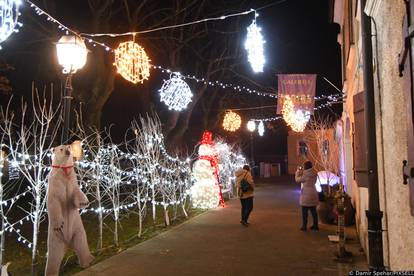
[231,121]
[175,93]
[132,62]
[296,119]
[254,46]
[9,13]
[260,128]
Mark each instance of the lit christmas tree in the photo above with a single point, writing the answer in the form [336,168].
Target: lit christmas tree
[206,192]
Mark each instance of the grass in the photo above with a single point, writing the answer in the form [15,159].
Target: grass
[20,256]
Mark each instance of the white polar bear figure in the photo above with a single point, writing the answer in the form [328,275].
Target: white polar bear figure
[64,198]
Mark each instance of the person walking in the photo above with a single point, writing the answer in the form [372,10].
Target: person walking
[245,191]
[308,195]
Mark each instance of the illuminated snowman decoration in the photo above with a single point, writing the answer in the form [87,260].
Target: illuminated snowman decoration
[205,193]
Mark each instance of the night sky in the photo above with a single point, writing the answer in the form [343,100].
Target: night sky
[300,38]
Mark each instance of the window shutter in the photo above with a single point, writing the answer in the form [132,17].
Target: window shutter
[406,72]
[359,145]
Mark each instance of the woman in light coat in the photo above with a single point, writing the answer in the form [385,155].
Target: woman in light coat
[246,198]
[308,195]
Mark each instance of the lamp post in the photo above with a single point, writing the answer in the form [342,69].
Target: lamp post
[251,126]
[71,53]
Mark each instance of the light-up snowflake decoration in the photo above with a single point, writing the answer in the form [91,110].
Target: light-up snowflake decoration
[260,128]
[9,13]
[296,119]
[254,46]
[175,93]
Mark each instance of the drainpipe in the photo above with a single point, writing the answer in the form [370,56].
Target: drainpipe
[374,214]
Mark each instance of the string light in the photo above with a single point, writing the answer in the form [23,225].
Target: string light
[260,128]
[296,119]
[9,14]
[132,62]
[231,121]
[254,46]
[175,93]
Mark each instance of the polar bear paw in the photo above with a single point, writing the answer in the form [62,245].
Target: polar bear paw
[59,227]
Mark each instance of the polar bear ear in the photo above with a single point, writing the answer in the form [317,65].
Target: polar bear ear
[52,150]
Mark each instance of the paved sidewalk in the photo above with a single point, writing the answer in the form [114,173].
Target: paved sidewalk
[215,243]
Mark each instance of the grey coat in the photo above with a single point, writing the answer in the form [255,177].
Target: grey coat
[308,194]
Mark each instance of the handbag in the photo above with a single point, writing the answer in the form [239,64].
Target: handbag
[244,184]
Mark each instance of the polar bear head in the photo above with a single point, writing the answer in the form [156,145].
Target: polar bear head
[62,156]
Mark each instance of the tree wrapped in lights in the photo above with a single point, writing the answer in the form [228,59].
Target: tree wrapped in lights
[231,121]
[30,140]
[206,191]
[175,93]
[296,119]
[230,160]
[132,62]
[254,46]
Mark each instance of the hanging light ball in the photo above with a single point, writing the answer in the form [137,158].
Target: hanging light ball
[175,93]
[254,46]
[132,62]
[251,126]
[296,119]
[231,121]
[9,13]
[260,128]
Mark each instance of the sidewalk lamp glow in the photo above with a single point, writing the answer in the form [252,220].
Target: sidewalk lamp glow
[71,53]
[251,126]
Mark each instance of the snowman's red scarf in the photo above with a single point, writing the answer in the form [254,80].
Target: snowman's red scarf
[66,169]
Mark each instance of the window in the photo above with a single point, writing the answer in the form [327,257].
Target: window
[303,148]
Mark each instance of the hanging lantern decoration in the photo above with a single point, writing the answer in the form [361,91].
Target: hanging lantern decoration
[251,126]
[9,14]
[260,128]
[175,93]
[231,121]
[296,119]
[254,46]
[132,62]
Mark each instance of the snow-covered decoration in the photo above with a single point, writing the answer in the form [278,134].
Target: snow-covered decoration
[9,14]
[175,93]
[261,128]
[254,46]
[297,119]
[326,178]
[206,191]
[231,121]
[132,62]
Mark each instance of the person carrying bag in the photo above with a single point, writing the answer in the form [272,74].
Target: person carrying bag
[245,191]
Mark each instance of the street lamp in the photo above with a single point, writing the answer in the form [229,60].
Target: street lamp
[71,53]
[251,126]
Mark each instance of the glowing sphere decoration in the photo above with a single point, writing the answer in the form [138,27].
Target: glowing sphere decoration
[9,13]
[132,62]
[260,128]
[251,126]
[231,121]
[175,93]
[254,46]
[296,119]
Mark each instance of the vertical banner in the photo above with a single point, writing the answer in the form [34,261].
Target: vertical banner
[301,89]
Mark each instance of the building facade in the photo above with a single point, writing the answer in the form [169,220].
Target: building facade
[392,74]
